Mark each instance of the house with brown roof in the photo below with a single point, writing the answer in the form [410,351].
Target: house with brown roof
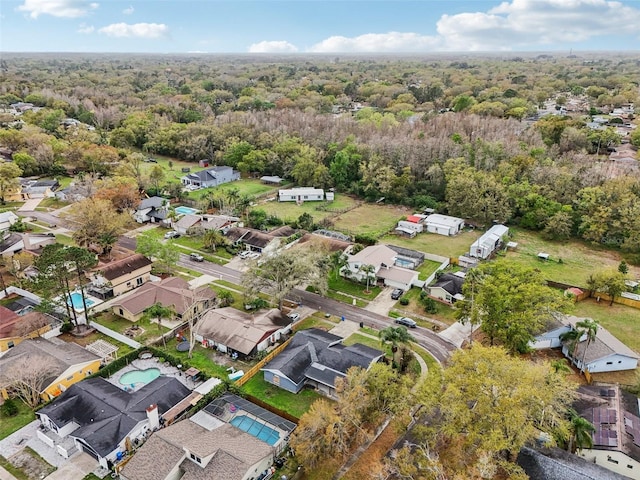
[233,331]
[230,439]
[171,292]
[69,361]
[187,224]
[254,240]
[120,276]
[15,328]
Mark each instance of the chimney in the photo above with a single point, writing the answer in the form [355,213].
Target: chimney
[154,419]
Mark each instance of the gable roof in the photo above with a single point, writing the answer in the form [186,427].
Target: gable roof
[605,344]
[208,174]
[491,236]
[320,355]
[8,217]
[375,255]
[443,220]
[124,266]
[106,414]
[188,221]
[239,330]
[10,321]
[556,464]
[232,451]
[171,292]
[151,202]
[451,283]
[249,236]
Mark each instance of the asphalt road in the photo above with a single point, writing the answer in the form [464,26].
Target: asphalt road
[44,217]
[440,348]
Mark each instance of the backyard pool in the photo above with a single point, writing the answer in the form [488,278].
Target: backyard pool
[186,210]
[76,301]
[255,428]
[139,376]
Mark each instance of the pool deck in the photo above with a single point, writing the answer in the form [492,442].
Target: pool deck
[165,368]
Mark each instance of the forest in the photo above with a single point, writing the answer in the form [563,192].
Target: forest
[487,138]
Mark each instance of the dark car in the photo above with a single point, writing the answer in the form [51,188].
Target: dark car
[407,322]
[397,293]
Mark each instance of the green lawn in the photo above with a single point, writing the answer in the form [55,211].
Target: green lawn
[51,203]
[345,298]
[290,211]
[579,259]
[366,340]
[8,425]
[341,284]
[112,321]
[292,403]
[317,320]
[620,320]
[451,247]
[427,268]
[64,239]
[201,359]
[444,313]
[370,219]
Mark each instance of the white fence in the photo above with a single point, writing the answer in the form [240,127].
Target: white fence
[443,265]
[115,335]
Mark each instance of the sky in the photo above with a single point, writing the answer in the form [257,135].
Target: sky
[318,26]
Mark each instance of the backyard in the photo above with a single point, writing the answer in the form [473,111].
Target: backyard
[620,320]
[293,403]
[8,425]
[579,259]
[146,333]
[370,219]
[451,247]
[290,211]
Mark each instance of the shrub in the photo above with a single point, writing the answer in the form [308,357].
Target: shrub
[404,301]
[66,327]
[9,408]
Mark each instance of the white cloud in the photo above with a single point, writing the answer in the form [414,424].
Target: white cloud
[139,30]
[530,23]
[57,8]
[129,10]
[512,25]
[378,42]
[84,28]
[274,46]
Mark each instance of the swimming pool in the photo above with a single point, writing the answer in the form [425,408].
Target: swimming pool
[76,301]
[186,210]
[258,430]
[139,376]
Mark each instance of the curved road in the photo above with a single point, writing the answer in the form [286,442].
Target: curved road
[440,348]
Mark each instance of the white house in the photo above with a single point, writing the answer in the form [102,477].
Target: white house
[484,246]
[383,260]
[301,194]
[444,224]
[152,209]
[405,226]
[604,354]
[6,220]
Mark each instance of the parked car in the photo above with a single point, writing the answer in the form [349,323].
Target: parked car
[171,234]
[150,160]
[196,257]
[254,255]
[294,316]
[397,293]
[244,254]
[407,322]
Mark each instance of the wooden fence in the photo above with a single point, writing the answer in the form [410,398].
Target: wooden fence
[256,368]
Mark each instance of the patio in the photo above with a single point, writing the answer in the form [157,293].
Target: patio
[142,364]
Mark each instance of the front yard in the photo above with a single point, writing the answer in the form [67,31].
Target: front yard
[8,425]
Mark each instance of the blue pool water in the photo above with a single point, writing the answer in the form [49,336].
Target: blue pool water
[258,430]
[186,210]
[76,301]
[139,376]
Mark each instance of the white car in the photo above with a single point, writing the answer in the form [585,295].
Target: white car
[244,254]
[294,316]
[254,255]
[171,234]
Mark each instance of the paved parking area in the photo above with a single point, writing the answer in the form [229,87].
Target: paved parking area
[76,467]
[18,440]
[383,303]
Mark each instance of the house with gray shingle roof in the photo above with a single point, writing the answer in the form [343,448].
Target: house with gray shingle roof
[317,358]
[152,209]
[211,177]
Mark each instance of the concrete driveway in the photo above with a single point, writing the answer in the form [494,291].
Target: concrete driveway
[78,466]
[30,205]
[382,303]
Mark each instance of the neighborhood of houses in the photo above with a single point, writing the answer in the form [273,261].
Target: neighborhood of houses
[146,407]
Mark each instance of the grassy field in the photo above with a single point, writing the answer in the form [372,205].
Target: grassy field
[370,219]
[290,211]
[292,403]
[620,320]
[451,247]
[578,258]
[427,268]
[8,425]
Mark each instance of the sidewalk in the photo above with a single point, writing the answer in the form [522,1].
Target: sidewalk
[4,475]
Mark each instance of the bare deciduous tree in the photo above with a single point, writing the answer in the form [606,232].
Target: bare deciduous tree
[27,376]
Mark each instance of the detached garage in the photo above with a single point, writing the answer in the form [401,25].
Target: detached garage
[444,224]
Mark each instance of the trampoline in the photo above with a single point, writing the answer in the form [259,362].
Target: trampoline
[183,347]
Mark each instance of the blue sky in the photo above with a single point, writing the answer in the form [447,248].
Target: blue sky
[320,26]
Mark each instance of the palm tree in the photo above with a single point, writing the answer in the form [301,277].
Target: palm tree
[584,327]
[158,310]
[397,335]
[560,366]
[581,430]
[368,270]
